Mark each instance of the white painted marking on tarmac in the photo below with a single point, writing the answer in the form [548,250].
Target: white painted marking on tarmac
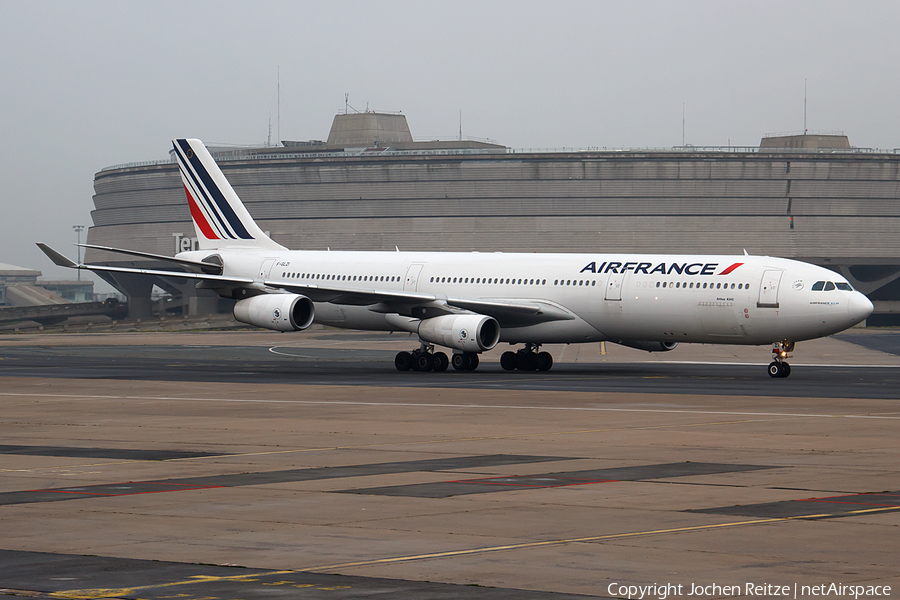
[747,364]
[274,351]
[437,405]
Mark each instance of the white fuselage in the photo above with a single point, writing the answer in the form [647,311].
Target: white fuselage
[731,299]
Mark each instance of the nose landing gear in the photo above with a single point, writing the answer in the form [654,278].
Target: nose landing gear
[778,367]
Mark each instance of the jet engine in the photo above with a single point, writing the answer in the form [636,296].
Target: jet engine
[649,346]
[281,312]
[469,333]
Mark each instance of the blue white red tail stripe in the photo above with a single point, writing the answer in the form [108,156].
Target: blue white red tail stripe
[208,196]
[220,218]
[198,199]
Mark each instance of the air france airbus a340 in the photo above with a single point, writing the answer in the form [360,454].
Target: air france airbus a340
[470,302]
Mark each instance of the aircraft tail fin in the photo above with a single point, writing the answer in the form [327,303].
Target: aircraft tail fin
[220,219]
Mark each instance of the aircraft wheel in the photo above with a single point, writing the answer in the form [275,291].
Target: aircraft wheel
[403,361]
[441,362]
[508,361]
[777,369]
[460,362]
[423,362]
[528,361]
[473,362]
[545,361]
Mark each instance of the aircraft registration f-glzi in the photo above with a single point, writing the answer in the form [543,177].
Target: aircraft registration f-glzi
[469,302]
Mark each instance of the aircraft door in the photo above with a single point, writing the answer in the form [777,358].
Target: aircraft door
[412,278]
[265,267]
[614,286]
[768,288]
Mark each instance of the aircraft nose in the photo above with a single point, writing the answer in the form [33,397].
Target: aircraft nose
[860,307]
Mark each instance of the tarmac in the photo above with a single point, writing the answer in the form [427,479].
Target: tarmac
[253,464]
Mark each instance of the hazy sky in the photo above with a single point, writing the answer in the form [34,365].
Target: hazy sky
[92,84]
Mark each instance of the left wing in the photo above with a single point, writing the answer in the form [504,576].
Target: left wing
[508,313]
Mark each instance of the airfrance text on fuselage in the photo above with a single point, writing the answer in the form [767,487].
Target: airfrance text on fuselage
[649,269]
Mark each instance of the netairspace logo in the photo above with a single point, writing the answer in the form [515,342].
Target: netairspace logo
[795,591]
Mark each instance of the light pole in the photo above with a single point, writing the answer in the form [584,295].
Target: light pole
[78,229]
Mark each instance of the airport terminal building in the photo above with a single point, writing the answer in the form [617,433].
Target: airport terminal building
[370,186]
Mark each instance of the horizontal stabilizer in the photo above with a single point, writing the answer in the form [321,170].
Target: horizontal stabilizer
[221,279]
[62,261]
[195,265]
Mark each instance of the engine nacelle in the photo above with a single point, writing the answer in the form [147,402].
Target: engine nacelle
[469,333]
[281,312]
[649,346]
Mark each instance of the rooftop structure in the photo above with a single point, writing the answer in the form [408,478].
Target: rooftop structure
[19,286]
[806,141]
[14,274]
[368,129]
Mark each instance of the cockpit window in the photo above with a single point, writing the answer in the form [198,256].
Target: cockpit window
[830,285]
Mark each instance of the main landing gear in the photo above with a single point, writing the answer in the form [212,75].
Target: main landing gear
[426,359]
[527,359]
[423,359]
[778,367]
[464,361]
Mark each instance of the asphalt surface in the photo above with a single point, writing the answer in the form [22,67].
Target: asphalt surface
[366,367]
[138,468]
[63,575]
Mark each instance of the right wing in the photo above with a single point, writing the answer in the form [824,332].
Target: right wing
[508,313]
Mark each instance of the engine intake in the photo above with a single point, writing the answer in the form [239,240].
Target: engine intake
[648,346]
[281,312]
[469,333]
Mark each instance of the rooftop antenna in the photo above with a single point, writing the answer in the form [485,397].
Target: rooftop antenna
[460,125]
[805,130]
[346,101]
[279,105]
[682,124]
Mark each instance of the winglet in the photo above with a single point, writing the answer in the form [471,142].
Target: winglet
[56,257]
